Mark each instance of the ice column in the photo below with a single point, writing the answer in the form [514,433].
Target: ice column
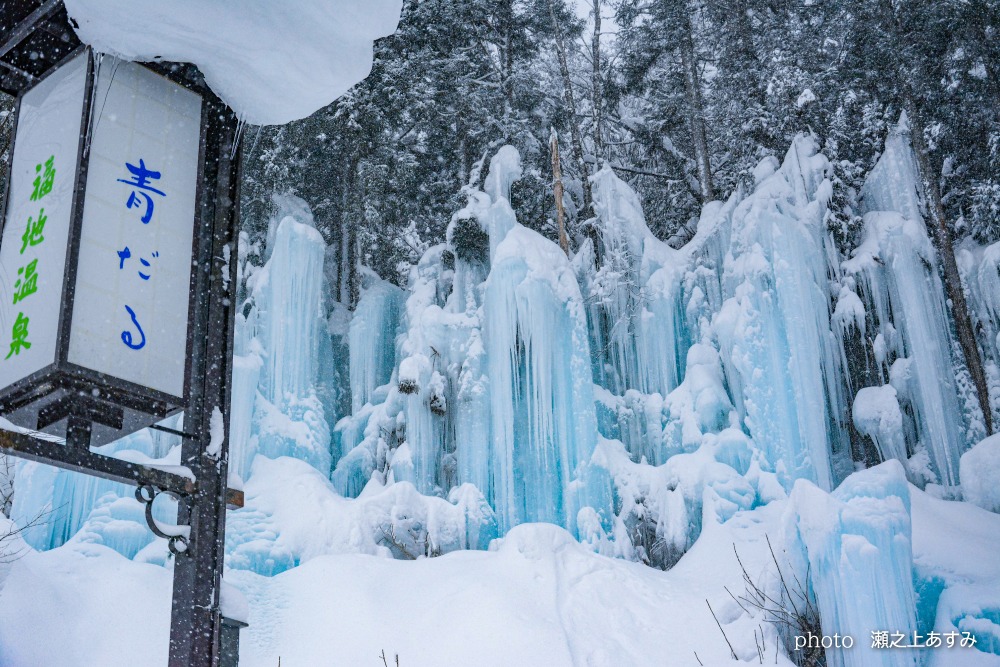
[469,241]
[424,372]
[247,364]
[774,328]
[636,323]
[857,544]
[372,337]
[293,298]
[290,418]
[544,426]
[982,278]
[896,271]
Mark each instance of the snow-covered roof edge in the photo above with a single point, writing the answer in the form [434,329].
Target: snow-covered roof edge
[272,62]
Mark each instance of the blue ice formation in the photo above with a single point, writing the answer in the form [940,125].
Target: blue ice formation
[894,271]
[289,418]
[492,386]
[753,285]
[544,427]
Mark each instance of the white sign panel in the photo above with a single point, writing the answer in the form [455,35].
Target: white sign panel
[36,226]
[130,314]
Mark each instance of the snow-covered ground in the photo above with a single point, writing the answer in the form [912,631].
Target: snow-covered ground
[536,598]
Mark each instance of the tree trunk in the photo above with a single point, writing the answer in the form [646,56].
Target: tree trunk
[557,188]
[340,217]
[941,233]
[349,291]
[574,128]
[696,111]
[353,288]
[463,150]
[598,84]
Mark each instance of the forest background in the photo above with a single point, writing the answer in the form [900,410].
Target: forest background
[683,98]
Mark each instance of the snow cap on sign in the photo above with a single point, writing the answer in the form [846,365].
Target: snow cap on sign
[272,62]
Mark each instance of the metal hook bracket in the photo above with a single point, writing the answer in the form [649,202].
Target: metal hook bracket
[177,537]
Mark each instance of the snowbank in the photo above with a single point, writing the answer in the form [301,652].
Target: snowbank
[538,597]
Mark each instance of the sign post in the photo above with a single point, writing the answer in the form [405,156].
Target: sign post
[116,309]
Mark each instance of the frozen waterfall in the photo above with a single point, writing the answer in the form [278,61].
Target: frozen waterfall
[636,394]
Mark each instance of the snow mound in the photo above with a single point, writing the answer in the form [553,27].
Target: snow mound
[979,471]
[272,62]
[558,604]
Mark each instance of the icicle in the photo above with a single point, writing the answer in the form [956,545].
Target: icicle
[373,338]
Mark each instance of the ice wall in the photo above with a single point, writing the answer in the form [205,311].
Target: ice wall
[633,393]
[753,284]
[493,386]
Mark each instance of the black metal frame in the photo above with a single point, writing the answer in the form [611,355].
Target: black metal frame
[44,28]
[51,452]
[198,573]
[199,635]
[75,459]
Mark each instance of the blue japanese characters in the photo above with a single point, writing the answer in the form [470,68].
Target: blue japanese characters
[141,176]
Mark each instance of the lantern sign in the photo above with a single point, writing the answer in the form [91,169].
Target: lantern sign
[118,223]
[98,248]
